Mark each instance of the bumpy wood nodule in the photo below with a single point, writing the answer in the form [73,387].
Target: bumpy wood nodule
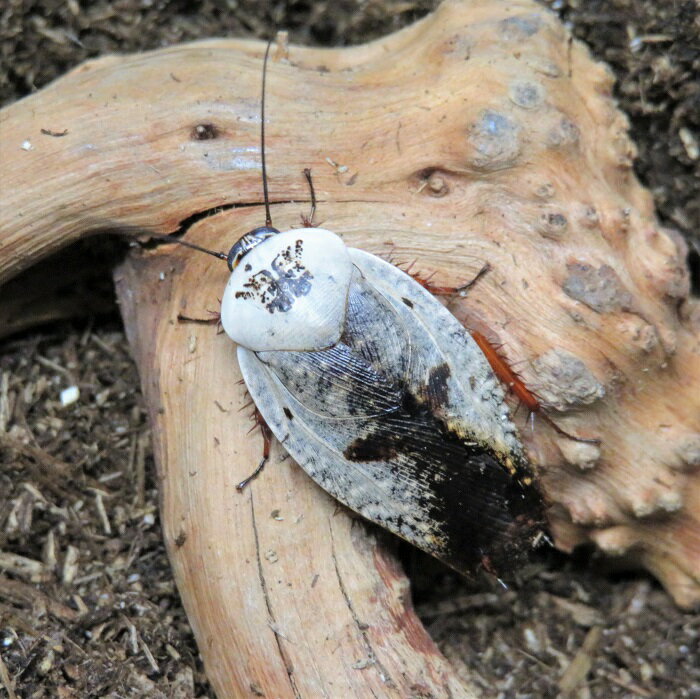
[478,135]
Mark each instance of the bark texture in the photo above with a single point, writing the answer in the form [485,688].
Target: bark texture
[480,134]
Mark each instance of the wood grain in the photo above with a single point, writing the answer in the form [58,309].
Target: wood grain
[480,134]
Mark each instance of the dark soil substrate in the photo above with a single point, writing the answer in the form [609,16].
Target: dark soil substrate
[100,616]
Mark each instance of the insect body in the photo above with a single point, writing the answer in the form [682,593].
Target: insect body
[379,393]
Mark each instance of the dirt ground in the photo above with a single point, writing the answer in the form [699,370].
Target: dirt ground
[88,607]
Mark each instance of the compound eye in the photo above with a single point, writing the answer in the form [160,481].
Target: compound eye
[234,257]
[247,242]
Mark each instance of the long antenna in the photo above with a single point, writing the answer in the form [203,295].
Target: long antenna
[268,217]
[194,246]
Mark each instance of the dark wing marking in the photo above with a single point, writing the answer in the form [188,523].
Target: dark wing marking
[478,509]
[416,467]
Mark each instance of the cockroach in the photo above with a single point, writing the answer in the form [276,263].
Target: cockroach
[378,392]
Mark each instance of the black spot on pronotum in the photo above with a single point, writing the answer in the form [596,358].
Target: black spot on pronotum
[204,132]
[408,302]
[288,413]
[520,27]
[278,289]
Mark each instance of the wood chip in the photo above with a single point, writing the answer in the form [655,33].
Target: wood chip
[625,684]
[582,614]
[26,568]
[581,664]
[70,565]
[6,681]
[4,400]
[49,552]
[104,519]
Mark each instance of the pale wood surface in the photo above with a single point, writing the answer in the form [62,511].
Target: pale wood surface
[285,591]
[434,173]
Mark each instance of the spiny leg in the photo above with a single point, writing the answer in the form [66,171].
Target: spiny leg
[568,435]
[515,385]
[267,443]
[389,256]
[453,291]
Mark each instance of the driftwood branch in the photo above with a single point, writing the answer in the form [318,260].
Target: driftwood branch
[285,591]
[480,134]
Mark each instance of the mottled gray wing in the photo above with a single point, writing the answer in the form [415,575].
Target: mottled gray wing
[363,374]
[401,425]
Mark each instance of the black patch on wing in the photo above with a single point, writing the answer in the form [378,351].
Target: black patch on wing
[437,388]
[486,516]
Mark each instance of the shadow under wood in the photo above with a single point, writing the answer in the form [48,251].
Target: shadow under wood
[73,283]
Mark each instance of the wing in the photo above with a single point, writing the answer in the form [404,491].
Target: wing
[361,375]
[404,423]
